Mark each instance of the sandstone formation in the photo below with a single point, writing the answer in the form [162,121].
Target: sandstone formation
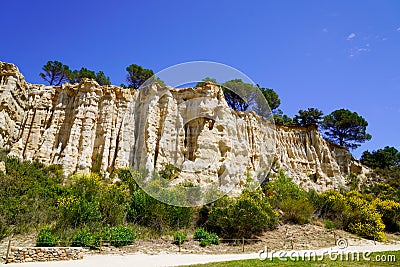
[81,125]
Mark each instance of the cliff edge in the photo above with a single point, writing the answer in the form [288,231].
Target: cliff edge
[80,125]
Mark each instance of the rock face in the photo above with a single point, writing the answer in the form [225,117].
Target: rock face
[84,125]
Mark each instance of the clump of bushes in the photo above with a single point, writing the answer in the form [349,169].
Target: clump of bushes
[289,198]
[121,236]
[205,238]
[245,216]
[46,238]
[179,238]
[297,211]
[354,212]
[83,238]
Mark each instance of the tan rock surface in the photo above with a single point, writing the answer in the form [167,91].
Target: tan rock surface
[194,129]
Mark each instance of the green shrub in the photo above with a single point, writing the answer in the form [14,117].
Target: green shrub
[329,224]
[245,216]
[114,203]
[282,188]
[169,171]
[46,238]
[205,242]
[297,211]
[121,236]
[83,238]
[200,233]
[103,234]
[148,211]
[206,238]
[363,218]
[213,238]
[390,212]
[179,238]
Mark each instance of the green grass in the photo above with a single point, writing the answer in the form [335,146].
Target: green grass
[313,263]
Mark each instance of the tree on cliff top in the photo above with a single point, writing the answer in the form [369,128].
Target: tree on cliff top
[346,128]
[76,76]
[272,98]
[386,157]
[55,73]
[137,75]
[205,80]
[311,116]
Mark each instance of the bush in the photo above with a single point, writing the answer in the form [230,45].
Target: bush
[83,238]
[200,233]
[206,238]
[169,171]
[46,238]
[390,211]
[362,217]
[213,238]
[282,188]
[121,236]
[352,212]
[296,211]
[329,225]
[179,238]
[245,216]
[148,211]
[114,203]
[205,242]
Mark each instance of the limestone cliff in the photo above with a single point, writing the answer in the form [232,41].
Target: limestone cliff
[82,124]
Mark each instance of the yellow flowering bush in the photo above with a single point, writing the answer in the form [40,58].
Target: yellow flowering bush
[390,212]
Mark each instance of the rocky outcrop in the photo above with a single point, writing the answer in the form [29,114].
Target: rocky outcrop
[82,125]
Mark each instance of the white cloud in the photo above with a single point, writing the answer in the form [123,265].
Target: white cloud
[398,29]
[351,36]
[362,49]
[324,30]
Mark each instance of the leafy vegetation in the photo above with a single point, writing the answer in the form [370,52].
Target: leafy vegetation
[87,208]
[245,216]
[56,73]
[311,116]
[345,128]
[137,75]
[46,238]
[179,238]
[205,238]
[121,236]
[387,157]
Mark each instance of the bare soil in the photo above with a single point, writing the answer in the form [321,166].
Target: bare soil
[285,237]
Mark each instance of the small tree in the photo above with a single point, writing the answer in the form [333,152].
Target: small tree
[271,96]
[311,116]
[346,128]
[55,73]
[205,80]
[102,79]
[137,75]
[76,76]
[282,119]
[382,158]
[235,92]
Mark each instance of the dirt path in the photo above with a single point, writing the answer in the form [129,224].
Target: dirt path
[161,252]
[146,260]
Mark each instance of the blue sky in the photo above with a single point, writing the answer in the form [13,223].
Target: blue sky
[323,54]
